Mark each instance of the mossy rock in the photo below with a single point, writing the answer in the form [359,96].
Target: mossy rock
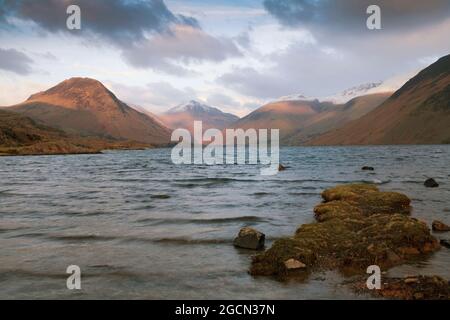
[358,226]
[410,288]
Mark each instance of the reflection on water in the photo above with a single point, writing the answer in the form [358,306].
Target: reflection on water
[141,227]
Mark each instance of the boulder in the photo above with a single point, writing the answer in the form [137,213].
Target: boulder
[357,226]
[249,238]
[366,168]
[431,183]
[445,243]
[440,226]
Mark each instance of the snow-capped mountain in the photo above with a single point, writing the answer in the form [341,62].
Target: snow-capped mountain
[194,107]
[339,98]
[184,115]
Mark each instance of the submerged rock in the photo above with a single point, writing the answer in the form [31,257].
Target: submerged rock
[249,238]
[357,226]
[445,243]
[431,183]
[440,226]
[366,168]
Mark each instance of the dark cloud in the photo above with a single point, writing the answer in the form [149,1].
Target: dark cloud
[350,15]
[15,61]
[147,33]
[119,21]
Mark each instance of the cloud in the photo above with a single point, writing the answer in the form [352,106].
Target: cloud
[221,100]
[319,69]
[334,61]
[350,15]
[15,61]
[119,21]
[183,45]
[146,32]
[250,82]
[156,96]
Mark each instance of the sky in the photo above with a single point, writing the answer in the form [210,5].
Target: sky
[235,55]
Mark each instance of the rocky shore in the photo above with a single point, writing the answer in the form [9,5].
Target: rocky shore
[357,226]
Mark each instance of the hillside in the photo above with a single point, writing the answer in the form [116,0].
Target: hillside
[301,120]
[21,135]
[86,107]
[418,113]
[183,116]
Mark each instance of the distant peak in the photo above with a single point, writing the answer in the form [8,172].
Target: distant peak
[194,106]
[339,98]
[82,82]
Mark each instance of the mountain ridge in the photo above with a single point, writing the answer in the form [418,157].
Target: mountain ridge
[417,113]
[184,115]
[85,106]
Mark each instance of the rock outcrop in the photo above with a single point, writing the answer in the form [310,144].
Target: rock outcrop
[358,226]
[411,288]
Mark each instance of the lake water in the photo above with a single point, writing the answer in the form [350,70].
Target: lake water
[140,227]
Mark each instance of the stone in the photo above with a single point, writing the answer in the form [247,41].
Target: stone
[392,257]
[411,280]
[411,288]
[293,264]
[357,225]
[445,243]
[440,226]
[366,168]
[281,167]
[431,183]
[249,238]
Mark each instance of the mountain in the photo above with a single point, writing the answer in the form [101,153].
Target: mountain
[342,97]
[336,117]
[288,116]
[20,135]
[148,113]
[85,106]
[301,120]
[184,115]
[418,113]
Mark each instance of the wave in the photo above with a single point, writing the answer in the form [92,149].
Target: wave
[180,241]
[62,237]
[160,196]
[262,194]
[80,237]
[304,193]
[204,221]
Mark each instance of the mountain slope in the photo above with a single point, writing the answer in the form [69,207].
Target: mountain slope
[84,106]
[336,117]
[301,120]
[183,116]
[341,97]
[288,116]
[418,113]
[21,135]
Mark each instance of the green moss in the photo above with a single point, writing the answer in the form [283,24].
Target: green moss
[358,226]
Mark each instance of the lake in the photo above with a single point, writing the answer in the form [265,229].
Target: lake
[141,227]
